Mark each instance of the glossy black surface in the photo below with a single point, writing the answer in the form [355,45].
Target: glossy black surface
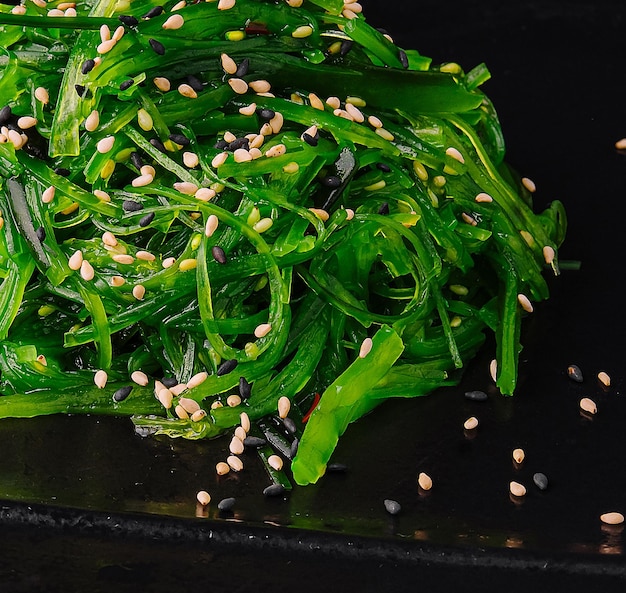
[88,504]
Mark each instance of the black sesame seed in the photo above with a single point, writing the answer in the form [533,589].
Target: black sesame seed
[122,393]
[35,151]
[337,467]
[226,504]
[384,167]
[293,449]
[404,59]
[156,11]
[218,254]
[157,47]
[221,144]
[274,490]
[245,388]
[62,171]
[574,373]
[180,139]
[158,144]
[289,425]
[195,83]
[266,113]
[131,206]
[541,481]
[393,507]
[88,66]
[126,84]
[81,91]
[346,46]
[331,181]
[40,232]
[136,160]
[144,221]
[226,367]
[384,208]
[237,143]
[169,381]
[5,114]
[254,442]
[310,140]
[243,68]
[477,396]
[128,20]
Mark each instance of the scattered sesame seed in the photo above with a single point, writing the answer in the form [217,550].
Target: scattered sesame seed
[621,144]
[86,271]
[92,121]
[145,255]
[612,518]
[424,481]
[455,154]
[100,378]
[302,32]
[225,4]
[355,113]
[75,260]
[529,184]
[477,396]
[48,194]
[106,46]
[320,213]
[219,159]
[140,378]
[176,21]
[226,367]
[316,102]
[123,258]
[234,462]
[517,489]
[276,150]
[222,468]
[181,412]
[385,134]
[391,506]
[42,95]
[162,83]
[471,423]
[263,225]
[525,303]
[275,462]
[574,373]
[493,369]
[105,144]
[108,238]
[157,46]
[604,378]
[540,480]
[518,455]
[187,264]
[233,400]
[145,221]
[241,155]
[588,405]
[139,291]
[122,393]
[260,86]
[273,490]
[118,281]
[219,255]
[333,102]
[187,90]
[366,347]
[165,396]
[284,406]
[238,85]
[203,497]
[26,122]
[483,197]
[262,330]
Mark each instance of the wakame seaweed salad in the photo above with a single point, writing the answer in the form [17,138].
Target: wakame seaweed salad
[208,208]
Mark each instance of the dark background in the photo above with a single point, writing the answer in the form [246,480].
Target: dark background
[108,511]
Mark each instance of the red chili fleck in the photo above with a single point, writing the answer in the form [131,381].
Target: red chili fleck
[253,28]
[316,400]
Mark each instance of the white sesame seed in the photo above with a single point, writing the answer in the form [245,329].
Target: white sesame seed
[244,419]
[548,254]
[320,213]
[197,379]
[260,86]
[140,378]
[483,197]
[228,64]
[100,378]
[455,154]
[236,446]
[75,260]
[225,4]
[123,258]
[333,102]
[343,113]
[262,330]
[106,144]
[493,369]
[42,95]
[19,9]
[142,180]
[15,138]
[187,91]
[181,412]
[108,238]
[205,194]
[588,405]
[144,119]
[471,423]
[275,462]
[219,159]
[366,347]
[355,113]
[198,415]
[106,46]
[162,83]
[233,400]
[348,14]
[621,144]
[102,195]
[265,130]
[604,378]
[145,255]
[203,497]
[222,468]
[612,518]
[234,463]
[284,406]
[168,262]
[118,33]
[186,187]
[92,121]
[349,214]
[48,194]
[190,159]
[139,291]
[189,405]
[86,271]
[105,33]
[117,281]
[276,150]
[316,102]
[26,122]
[386,134]
[188,264]
[179,5]
[248,109]
[255,153]
[241,155]
[425,482]
[277,122]
[517,489]
[525,303]
[178,389]
[529,184]
[176,21]
[374,122]
[165,396]
[518,455]
[238,85]
[263,225]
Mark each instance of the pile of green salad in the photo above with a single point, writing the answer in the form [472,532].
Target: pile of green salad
[219,214]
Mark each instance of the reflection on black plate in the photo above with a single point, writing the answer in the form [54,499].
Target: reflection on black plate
[557,74]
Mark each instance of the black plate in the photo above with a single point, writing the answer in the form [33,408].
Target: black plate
[87,503]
